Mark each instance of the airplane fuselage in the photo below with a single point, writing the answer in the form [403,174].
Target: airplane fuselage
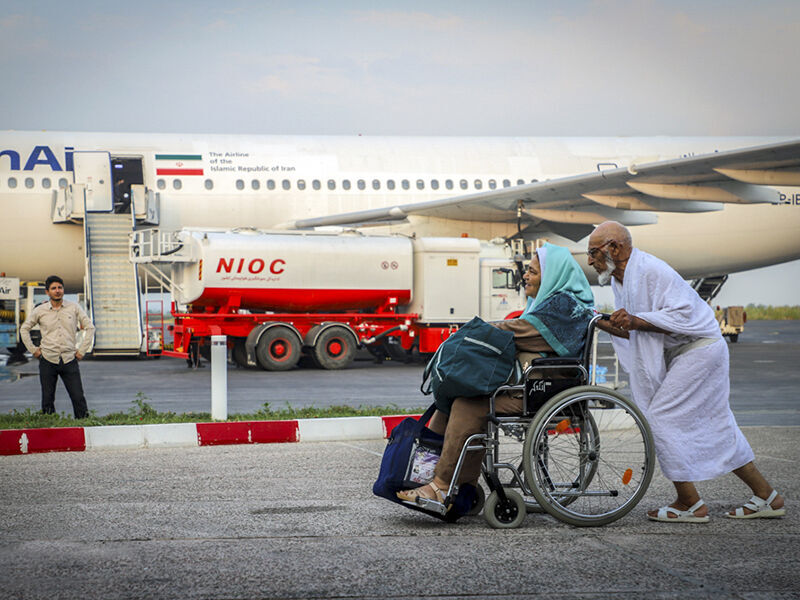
[265,181]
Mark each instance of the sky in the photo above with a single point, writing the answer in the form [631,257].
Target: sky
[515,68]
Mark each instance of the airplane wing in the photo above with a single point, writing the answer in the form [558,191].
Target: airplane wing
[632,195]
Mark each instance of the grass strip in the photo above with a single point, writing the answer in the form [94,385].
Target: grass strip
[759,312]
[142,413]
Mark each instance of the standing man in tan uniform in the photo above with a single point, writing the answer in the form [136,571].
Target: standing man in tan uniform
[59,320]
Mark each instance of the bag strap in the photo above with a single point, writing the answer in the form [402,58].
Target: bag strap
[426,374]
[426,416]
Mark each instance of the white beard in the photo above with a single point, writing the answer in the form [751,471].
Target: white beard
[604,278]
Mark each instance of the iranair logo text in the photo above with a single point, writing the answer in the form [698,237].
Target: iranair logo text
[40,156]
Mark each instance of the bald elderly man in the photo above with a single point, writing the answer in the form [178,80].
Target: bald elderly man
[668,341]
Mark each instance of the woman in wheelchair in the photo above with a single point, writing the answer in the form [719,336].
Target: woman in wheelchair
[554,322]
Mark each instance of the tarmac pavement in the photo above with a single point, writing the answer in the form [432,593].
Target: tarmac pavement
[299,521]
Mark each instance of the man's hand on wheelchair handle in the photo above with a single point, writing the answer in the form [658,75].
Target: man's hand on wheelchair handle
[620,319]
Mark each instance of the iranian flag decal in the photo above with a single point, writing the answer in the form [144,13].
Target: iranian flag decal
[179,164]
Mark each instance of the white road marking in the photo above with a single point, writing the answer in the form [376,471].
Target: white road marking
[360,448]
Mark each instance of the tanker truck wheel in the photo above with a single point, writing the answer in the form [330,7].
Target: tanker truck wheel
[334,349]
[239,353]
[278,349]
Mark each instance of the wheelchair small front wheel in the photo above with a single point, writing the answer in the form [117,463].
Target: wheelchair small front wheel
[508,514]
[478,503]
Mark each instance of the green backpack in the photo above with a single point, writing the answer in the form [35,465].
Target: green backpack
[474,361]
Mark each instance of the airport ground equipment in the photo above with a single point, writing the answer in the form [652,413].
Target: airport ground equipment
[17,299]
[111,285]
[582,453]
[278,295]
[731,321]
[708,287]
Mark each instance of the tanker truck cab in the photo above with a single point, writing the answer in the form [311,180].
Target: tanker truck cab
[502,294]
[279,295]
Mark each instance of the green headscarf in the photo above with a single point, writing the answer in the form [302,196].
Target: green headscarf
[564,304]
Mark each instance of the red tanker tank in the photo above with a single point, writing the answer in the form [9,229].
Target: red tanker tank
[294,272]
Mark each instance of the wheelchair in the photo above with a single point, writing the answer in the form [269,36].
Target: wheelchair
[582,453]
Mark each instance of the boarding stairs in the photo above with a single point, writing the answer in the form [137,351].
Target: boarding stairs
[708,287]
[112,285]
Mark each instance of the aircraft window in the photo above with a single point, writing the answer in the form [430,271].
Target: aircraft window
[256,184]
[209,184]
[448,184]
[62,183]
[346,184]
[331,184]
[420,184]
[46,183]
[463,184]
[161,184]
[316,184]
[506,183]
[239,184]
[435,184]
[361,184]
[286,184]
[520,182]
[406,185]
[178,184]
[12,182]
[376,184]
[478,184]
[29,182]
[492,184]
[390,184]
[270,184]
[301,184]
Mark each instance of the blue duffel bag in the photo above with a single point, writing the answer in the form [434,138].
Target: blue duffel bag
[408,461]
[474,361]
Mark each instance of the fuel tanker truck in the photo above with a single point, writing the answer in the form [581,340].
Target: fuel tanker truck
[280,295]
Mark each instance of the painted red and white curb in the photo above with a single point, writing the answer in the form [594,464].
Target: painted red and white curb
[177,435]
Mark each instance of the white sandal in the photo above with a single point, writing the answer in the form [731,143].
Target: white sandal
[681,516]
[761,508]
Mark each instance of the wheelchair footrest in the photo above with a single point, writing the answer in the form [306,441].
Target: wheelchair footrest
[430,505]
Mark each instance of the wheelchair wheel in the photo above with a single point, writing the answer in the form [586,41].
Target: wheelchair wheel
[589,456]
[478,503]
[504,515]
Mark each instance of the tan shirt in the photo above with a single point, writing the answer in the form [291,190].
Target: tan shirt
[59,327]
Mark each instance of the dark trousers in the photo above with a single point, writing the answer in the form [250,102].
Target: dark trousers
[70,374]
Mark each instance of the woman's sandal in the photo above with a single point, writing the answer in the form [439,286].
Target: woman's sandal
[761,508]
[415,494]
[681,516]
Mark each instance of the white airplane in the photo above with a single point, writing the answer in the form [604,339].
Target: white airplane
[708,206]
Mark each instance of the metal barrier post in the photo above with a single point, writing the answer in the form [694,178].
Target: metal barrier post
[219,377]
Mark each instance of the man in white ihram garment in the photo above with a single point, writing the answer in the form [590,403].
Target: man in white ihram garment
[669,343]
